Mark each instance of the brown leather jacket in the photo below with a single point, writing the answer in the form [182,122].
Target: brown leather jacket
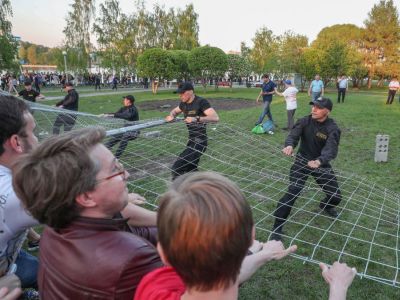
[93,259]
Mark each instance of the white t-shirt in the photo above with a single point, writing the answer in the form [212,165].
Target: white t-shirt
[290,96]
[394,85]
[14,220]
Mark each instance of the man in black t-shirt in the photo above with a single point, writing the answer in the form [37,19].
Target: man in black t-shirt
[197,112]
[29,94]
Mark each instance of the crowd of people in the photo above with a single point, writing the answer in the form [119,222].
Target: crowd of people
[74,185]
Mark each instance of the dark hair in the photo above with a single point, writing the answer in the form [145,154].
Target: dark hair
[204,226]
[49,179]
[12,119]
[265,75]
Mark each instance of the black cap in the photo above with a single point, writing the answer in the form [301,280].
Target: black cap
[129,97]
[323,103]
[183,87]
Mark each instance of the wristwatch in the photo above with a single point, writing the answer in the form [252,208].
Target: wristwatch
[198,119]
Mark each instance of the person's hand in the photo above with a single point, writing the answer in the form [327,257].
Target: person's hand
[136,199]
[13,295]
[288,150]
[274,250]
[314,164]
[169,118]
[256,246]
[339,277]
[190,120]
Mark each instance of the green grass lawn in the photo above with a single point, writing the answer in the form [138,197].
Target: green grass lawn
[362,116]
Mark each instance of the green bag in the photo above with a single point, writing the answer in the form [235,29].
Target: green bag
[258,129]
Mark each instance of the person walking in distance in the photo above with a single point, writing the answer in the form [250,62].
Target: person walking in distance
[343,85]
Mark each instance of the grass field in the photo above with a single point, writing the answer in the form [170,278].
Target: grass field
[361,117]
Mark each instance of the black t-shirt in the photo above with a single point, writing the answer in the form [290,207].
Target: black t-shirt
[194,109]
[29,95]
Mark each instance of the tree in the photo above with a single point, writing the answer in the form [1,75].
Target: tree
[291,46]
[111,30]
[179,59]
[308,65]
[186,29]
[77,32]
[8,44]
[381,40]
[238,67]
[207,63]
[264,54]
[31,54]
[156,64]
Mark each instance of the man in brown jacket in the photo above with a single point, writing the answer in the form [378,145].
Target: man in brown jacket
[74,184]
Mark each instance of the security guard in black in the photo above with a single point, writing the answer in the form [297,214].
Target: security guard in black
[195,109]
[319,140]
[29,95]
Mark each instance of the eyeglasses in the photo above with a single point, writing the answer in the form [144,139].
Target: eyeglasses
[121,172]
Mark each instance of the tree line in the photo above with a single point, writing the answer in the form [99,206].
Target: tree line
[163,44]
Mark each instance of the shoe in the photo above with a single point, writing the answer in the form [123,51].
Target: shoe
[33,245]
[331,212]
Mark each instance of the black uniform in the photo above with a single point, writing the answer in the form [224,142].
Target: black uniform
[129,113]
[318,141]
[70,102]
[29,95]
[189,159]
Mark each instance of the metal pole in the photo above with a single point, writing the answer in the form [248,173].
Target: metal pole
[65,64]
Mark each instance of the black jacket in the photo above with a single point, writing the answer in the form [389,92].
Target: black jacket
[318,140]
[129,113]
[70,101]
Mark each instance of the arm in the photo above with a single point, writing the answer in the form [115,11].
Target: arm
[295,133]
[40,96]
[71,98]
[139,216]
[272,250]
[278,93]
[330,150]
[126,114]
[211,116]
[176,111]
[259,95]
[339,277]
[309,89]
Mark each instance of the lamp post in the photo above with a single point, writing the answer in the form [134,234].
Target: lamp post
[65,64]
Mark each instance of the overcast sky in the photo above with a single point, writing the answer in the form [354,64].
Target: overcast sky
[223,23]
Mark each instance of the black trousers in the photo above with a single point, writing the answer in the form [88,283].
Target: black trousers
[390,97]
[122,139]
[341,94]
[66,120]
[189,159]
[299,172]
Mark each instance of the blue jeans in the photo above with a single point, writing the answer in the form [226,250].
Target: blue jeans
[266,112]
[315,95]
[27,269]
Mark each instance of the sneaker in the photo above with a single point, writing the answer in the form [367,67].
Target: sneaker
[33,245]
[331,212]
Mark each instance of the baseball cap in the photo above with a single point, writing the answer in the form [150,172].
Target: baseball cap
[323,103]
[183,87]
[129,97]
[289,82]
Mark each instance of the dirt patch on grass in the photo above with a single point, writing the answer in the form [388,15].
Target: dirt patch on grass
[217,104]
